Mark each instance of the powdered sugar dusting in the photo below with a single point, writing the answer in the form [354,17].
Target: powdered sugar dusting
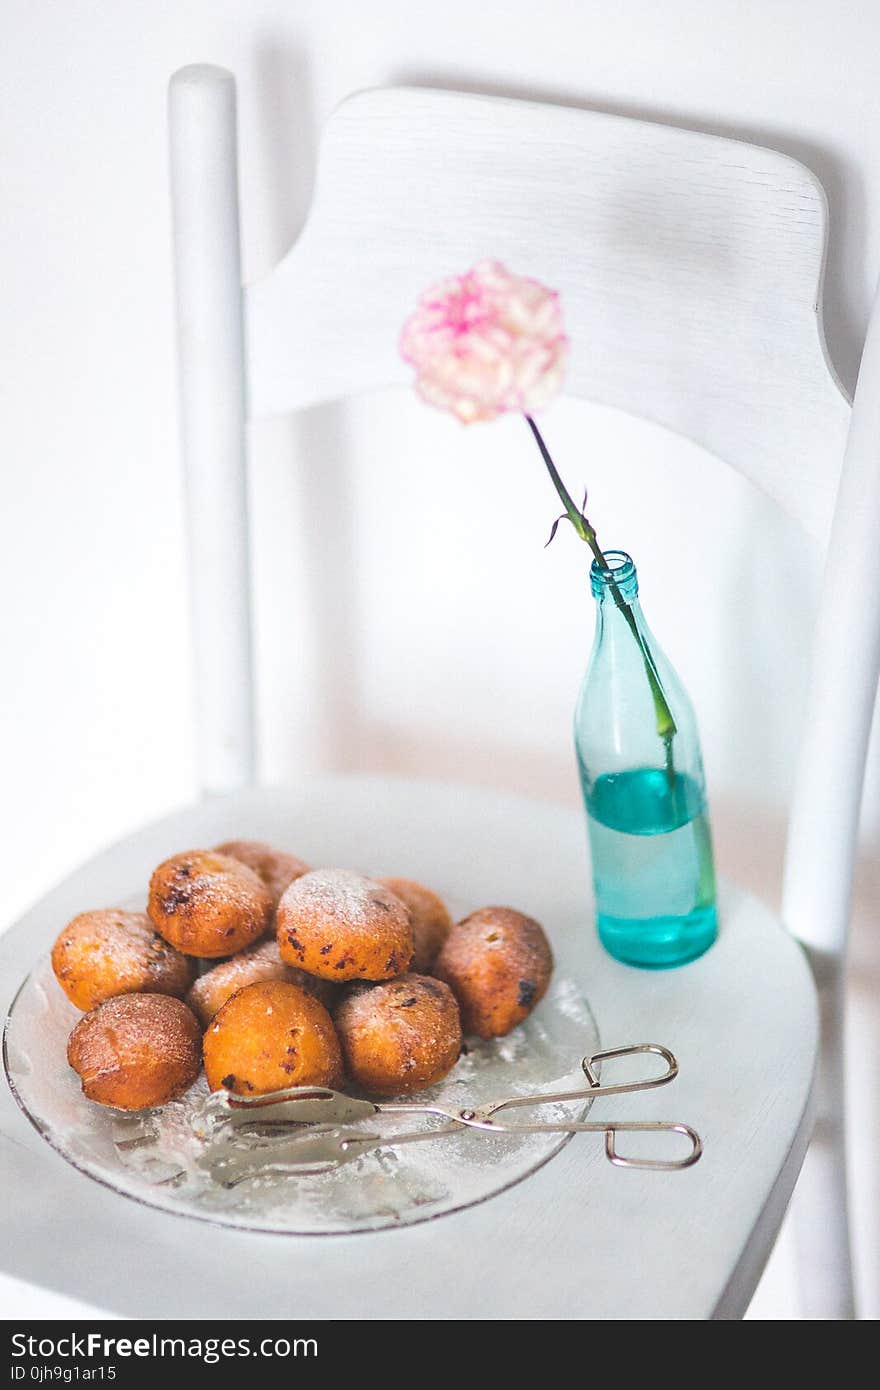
[250,967]
[125,951]
[209,880]
[339,895]
[150,1026]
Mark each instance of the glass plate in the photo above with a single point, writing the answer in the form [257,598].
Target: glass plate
[151,1156]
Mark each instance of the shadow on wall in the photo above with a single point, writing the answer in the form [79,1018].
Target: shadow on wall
[287,143]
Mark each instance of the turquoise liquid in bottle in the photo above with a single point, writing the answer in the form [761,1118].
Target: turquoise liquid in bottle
[647,818]
[653,874]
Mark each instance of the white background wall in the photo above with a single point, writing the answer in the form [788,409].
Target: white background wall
[398,627]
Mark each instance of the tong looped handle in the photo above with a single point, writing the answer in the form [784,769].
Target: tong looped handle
[486,1117]
[634,1126]
[608,1055]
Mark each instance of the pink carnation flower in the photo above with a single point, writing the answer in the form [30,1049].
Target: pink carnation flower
[486,342]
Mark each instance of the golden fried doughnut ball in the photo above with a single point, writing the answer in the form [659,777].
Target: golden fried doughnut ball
[136,1051]
[342,926]
[249,967]
[430,919]
[399,1036]
[276,868]
[108,952]
[498,964]
[270,1036]
[207,904]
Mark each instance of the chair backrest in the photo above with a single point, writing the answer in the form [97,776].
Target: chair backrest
[691,273]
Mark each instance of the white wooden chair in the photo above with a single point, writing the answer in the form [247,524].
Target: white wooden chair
[701,259]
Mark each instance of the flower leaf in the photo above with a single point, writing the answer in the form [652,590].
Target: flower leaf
[563,517]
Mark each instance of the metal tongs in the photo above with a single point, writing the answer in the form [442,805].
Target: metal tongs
[310,1129]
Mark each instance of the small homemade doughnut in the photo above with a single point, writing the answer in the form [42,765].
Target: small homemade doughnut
[276,868]
[341,926]
[430,919]
[136,1051]
[208,904]
[399,1036]
[270,1036]
[498,964]
[260,962]
[108,952]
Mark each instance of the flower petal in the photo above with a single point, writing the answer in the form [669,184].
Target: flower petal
[486,342]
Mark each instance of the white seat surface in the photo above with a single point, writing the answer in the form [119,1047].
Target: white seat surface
[579,1238]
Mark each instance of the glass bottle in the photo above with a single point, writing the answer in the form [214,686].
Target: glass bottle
[643,784]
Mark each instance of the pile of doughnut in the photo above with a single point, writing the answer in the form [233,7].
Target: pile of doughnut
[273,975]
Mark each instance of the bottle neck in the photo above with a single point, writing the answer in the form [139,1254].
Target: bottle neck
[620,622]
[623,642]
[616,588]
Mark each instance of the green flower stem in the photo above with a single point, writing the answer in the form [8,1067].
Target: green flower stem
[666,728]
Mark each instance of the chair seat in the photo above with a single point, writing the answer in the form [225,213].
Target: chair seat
[579,1238]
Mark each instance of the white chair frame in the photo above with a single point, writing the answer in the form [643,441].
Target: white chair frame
[695,262]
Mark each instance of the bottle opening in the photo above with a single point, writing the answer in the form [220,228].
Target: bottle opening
[620,572]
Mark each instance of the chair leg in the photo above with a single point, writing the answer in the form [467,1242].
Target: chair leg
[821,1216]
